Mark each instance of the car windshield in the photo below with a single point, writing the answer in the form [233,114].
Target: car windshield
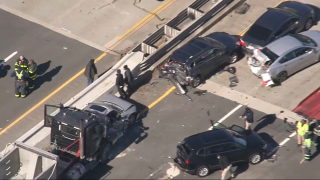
[259,32]
[186,148]
[304,40]
[269,54]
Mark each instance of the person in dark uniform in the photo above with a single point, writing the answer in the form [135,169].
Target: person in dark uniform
[90,71]
[21,77]
[128,78]
[316,133]
[21,64]
[32,70]
[248,117]
[120,84]
[226,166]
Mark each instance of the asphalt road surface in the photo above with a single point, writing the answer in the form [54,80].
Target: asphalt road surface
[147,151]
[57,56]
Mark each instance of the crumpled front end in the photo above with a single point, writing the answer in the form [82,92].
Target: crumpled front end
[177,74]
[259,68]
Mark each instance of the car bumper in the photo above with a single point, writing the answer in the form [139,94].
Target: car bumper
[192,172]
[247,51]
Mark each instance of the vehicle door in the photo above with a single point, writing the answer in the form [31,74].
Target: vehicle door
[288,27]
[235,152]
[288,63]
[202,65]
[306,56]
[49,112]
[211,155]
[218,58]
[116,122]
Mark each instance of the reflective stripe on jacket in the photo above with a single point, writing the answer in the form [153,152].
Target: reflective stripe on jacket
[308,143]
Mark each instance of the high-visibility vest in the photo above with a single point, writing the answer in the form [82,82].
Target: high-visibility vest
[302,129]
[20,75]
[308,143]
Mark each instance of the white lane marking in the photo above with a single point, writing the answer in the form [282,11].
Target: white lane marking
[281,144]
[293,134]
[227,115]
[10,56]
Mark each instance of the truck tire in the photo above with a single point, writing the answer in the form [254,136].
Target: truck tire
[105,152]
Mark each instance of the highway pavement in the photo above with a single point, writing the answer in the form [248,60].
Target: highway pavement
[57,56]
[147,151]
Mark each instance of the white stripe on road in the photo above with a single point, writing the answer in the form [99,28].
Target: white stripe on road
[227,115]
[10,56]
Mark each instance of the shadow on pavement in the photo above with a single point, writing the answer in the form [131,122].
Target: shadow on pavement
[265,121]
[42,68]
[47,77]
[240,168]
[4,70]
[135,134]
[102,171]
[140,81]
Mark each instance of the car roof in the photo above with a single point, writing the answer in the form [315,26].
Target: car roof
[208,138]
[191,49]
[273,18]
[284,44]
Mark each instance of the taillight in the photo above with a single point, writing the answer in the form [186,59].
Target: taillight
[162,66]
[187,161]
[259,49]
[242,43]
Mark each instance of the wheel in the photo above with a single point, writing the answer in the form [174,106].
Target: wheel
[233,58]
[196,81]
[105,152]
[308,24]
[203,171]
[132,119]
[255,158]
[282,76]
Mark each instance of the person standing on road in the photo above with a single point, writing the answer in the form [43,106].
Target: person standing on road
[128,78]
[21,64]
[21,77]
[32,70]
[302,129]
[225,166]
[316,133]
[248,117]
[90,71]
[307,147]
[120,84]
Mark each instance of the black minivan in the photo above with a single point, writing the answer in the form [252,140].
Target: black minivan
[197,154]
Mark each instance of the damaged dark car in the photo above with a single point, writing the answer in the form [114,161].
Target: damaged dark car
[199,58]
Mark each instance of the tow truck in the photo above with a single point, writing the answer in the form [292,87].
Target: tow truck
[79,141]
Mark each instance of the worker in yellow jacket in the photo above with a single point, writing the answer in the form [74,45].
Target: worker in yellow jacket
[307,146]
[302,129]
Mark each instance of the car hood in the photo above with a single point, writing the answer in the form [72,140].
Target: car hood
[112,99]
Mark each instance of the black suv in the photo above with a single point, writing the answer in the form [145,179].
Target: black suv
[197,154]
[200,57]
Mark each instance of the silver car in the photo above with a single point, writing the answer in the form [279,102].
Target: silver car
[286,56]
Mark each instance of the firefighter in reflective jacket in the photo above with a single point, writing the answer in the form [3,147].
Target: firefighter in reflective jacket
[21,63]
[302,129]
[20,85]
[32,70]
[307,146]
[316,133]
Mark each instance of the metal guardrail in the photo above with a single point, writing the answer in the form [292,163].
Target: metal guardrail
[164,39]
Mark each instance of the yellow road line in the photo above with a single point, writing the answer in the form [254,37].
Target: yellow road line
[246,29]
[123,37]
[173,88]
